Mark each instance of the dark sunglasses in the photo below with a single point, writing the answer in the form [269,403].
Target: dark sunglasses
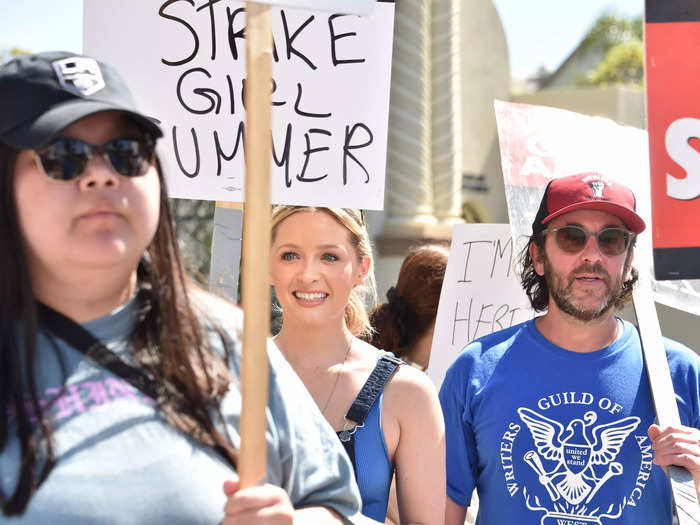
[66,158]
[572,239]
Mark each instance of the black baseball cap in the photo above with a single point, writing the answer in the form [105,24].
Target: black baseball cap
[42,94]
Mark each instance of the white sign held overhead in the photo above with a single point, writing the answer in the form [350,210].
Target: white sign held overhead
[481,293]
[348,7]
[185,64]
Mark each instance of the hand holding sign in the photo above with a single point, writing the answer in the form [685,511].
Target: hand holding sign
[256,504]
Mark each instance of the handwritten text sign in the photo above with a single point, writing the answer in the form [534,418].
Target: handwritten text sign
[350,7]
[185,62]
[481,293]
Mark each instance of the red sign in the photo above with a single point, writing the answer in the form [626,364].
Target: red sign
[673,115]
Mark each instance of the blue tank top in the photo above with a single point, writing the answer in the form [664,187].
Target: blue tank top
[369,454]
[373,469]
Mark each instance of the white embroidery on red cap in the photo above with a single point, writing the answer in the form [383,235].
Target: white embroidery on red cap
[597,187]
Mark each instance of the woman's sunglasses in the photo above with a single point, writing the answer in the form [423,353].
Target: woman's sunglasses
[66,158]
[572,239]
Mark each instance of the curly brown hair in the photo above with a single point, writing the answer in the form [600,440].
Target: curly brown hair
[413,303]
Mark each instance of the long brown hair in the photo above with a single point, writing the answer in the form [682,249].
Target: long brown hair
[413,302]
[170,341]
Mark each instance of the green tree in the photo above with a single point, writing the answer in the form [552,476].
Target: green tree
[623,64]
[621,40]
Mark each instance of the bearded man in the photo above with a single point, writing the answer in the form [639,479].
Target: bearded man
[552,420]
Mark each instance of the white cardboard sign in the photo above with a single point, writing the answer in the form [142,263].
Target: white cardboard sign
[184,61]
[481,292]
[353,7]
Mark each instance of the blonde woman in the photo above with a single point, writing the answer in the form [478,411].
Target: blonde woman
[386,415]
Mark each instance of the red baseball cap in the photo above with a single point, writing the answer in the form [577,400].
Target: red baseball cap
[587,191]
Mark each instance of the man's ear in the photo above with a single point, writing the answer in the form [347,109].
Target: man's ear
[537,256]
[628,265]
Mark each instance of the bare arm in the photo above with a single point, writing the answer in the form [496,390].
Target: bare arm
[420,453]
[392,511]
[454,514]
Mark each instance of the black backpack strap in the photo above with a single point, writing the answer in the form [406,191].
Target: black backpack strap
[82,340]
[87,344]
[368,395]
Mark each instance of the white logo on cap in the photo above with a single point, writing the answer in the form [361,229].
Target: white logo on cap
[597,186]
[80,74]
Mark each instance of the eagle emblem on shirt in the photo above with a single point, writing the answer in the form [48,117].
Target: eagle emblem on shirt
[575,449]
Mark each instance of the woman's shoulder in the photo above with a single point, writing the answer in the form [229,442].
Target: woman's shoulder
[408,385]
[410,399]
[406,378]
[410,381]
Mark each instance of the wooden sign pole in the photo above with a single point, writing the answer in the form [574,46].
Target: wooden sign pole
[256,246]
[682,484]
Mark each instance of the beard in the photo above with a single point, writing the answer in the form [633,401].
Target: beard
[561,291]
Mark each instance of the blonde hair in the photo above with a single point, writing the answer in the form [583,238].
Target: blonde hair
[362,296]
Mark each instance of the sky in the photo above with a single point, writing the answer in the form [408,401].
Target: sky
[545,32]
[538,32]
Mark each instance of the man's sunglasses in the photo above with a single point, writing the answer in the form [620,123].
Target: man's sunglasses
[572,239]
[66,158]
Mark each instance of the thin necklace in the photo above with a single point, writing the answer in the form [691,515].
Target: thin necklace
[337,378]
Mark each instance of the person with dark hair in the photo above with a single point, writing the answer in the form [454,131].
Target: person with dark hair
[552,420]
[404,324]
[119,398]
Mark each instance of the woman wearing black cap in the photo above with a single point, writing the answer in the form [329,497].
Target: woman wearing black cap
[115,370]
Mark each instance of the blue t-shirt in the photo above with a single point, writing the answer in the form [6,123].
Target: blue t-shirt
[551,436]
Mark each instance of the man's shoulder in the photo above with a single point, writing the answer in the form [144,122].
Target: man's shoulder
[679,355]
[500,339]
[487,350]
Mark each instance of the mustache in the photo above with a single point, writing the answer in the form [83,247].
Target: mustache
[592,269]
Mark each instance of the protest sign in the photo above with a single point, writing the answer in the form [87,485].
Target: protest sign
[185,62]
[540,143]
[672,38]
[350,7]
[481,292]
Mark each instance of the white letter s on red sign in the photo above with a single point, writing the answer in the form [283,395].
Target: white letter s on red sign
[677,136]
